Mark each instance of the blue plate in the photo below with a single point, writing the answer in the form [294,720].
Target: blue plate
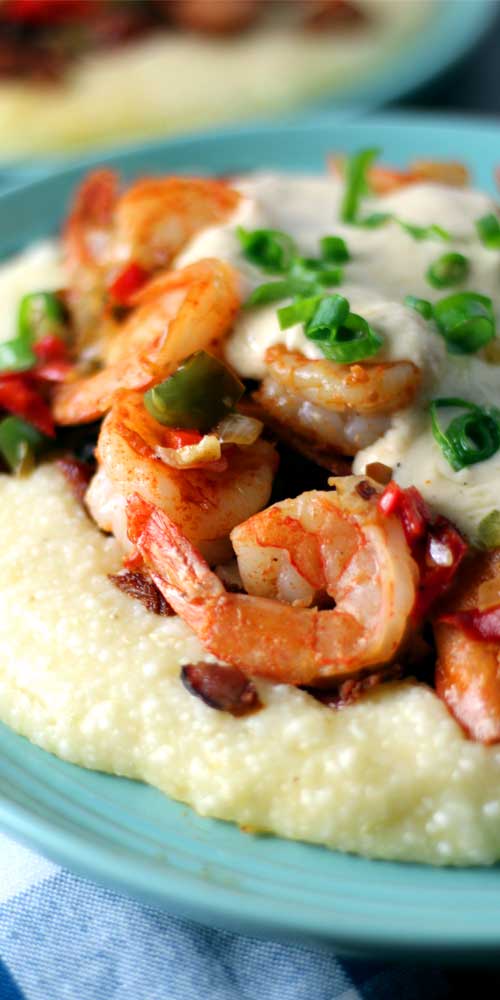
[131,837]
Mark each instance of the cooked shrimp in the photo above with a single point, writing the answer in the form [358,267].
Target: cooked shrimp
[384,180]
[468,668]
[320,547]
[147,225]
[344,406]
[205,502]
[175,314]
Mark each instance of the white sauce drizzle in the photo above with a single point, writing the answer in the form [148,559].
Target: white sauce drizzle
[387,264]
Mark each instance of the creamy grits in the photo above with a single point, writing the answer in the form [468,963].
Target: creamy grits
[91,676]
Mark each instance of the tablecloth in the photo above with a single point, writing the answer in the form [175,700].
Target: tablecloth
[64,938]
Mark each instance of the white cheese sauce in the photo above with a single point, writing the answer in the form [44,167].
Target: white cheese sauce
[387,263]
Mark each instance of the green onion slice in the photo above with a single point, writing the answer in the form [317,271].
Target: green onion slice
[269,249]
[488,228]
[19,443]
[356,183]
[422,306]
[489,530]
[270,291]
[330,313]
[196,396]
[299,312]
[334,250]
[472,437]
[354,341]
[40,314]
[375,220]
[450,269]
[306,273]
[424,232]
[466,320]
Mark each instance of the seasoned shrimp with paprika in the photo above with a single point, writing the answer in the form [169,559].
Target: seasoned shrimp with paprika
[113,242]
[296,559]
[208,490]
[468,645]
[176,313]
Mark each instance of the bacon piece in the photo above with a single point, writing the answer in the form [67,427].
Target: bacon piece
[142,588]
[77,475]
[322,15]
[224,688]
[348,691]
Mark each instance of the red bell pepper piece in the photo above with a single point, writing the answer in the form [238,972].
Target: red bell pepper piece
[127,283]
[19,396]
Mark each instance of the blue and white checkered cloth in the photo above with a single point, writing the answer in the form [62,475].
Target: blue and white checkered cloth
[63,938]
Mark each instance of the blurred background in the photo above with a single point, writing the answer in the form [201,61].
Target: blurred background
[81,74]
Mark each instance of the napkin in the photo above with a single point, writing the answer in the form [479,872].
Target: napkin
[64,938]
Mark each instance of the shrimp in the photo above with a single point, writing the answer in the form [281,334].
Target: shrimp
[147,226]
[205,502]
[384,180]
[345,407]
[468,667]
[320,547]
[175,314]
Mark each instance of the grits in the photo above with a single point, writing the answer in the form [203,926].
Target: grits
[91,676]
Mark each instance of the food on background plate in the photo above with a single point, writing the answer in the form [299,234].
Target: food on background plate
[251,533]
[88,72]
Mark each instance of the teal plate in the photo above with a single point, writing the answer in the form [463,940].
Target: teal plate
[131,837]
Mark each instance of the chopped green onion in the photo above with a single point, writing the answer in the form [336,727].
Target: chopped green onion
[489,530]
[375,220]
[466,321]
[488,227]
[424,232]
[472,437]
[40,314]
[270,291]
[16,355]
[299,312]
[196,396]
[334,250]
[19,442]
[422,306]
[306,273]
[354,341]
[330,313]
[356,183]
[269,249]
[450,269]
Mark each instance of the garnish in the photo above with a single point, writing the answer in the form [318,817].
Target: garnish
[488,228]
[375,220]
[269,249]
[19,444]
[449,269]
[40,314]
[472,437]
[196,396]
[343,336]
[422,306]
[356,183]
[303,276]
[424,232]
[334,250]
[466,321]
[489,530]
